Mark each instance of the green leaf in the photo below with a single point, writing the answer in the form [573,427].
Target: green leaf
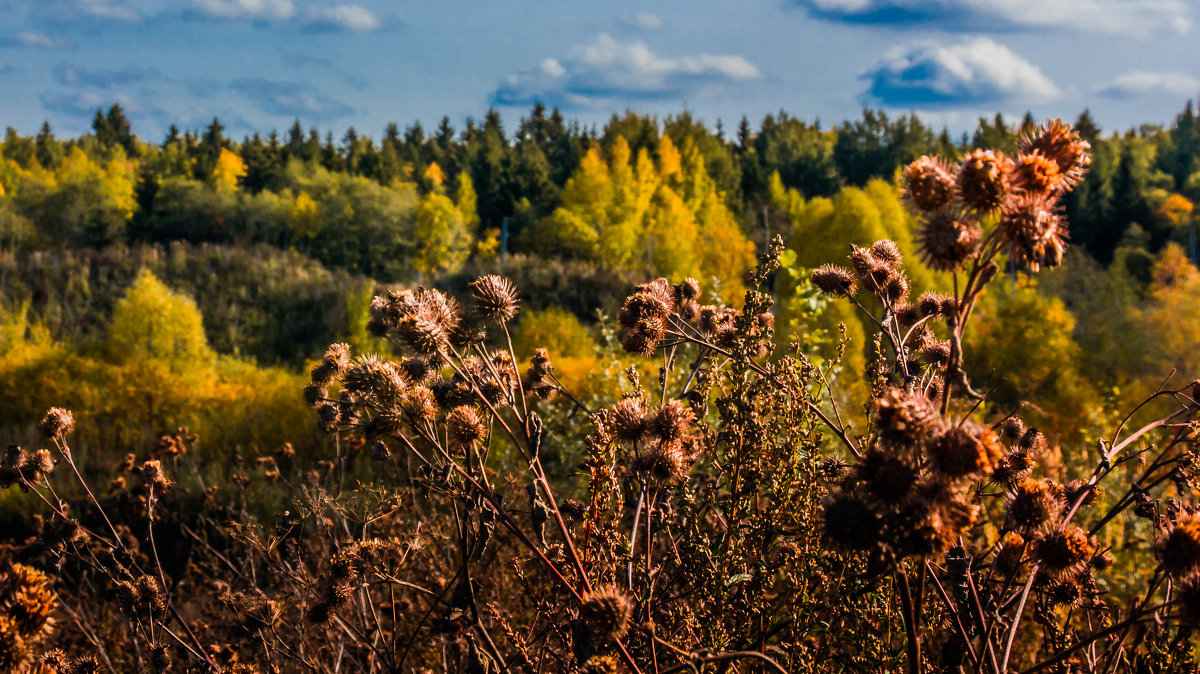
[739,578]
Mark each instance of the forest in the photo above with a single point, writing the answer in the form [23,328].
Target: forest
[319,367]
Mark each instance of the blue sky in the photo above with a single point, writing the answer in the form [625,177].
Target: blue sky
[259,64]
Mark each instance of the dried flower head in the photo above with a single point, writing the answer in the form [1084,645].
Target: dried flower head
[315,393]
[1179,546]
[947,239]
[1012,428]
[495,298]
[336,357]
[1031,505]
[607,612]
[689,290]
[672,422]
[1035,172]
[985,180]
[627,420]
[643,316]
[888,478]
[539,364]
[928,183]
[834,280]
[1060,143]
[1034,232]
[1064,552]
[152,475]
[419,406]
[965,450]
[906,419]
[1009,553]
[887,252]
[57,422]
[895,289]
[664,462]
[465,424]
[934,305]
[1188,596]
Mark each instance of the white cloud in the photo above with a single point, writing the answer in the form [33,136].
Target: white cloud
[264,10]
[39,40]
[976,70]
[108,9]
[1144,83]
[1126,17]
[345,17]
[645,21]
[608,69]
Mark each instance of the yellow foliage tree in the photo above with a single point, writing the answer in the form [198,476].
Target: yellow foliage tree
[663,217]
[443,241]
[153,322]
[435,175]
[229,170]
[1021,341]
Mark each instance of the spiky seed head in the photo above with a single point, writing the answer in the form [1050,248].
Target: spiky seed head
[1034,172]
[14,652]
[1064,552]
[833,280]
[1012,429]
[947,239]
[465,424]
[887,252]
[1034,232]
[152,475]
[672,422]
[907,314]
[930,304]
[895,289]
[627,419]
[57,422]
[965,450]
[871,271]
[643,317]
[906,419]
[689,289]
[1014,467]
[935,352]
[337,356]
[423,335]
[327,416]
[1179,546]
[315,393]
[887,477]
[1187,594]
[1063,145]
[985,180]
[850,523]
[1031,505]
[1072,491]
[663,462]
[1009,554]
[539,364]
[607,612]
[39,465]
[160,658]
[496,298]
[419,405]
[928,183]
